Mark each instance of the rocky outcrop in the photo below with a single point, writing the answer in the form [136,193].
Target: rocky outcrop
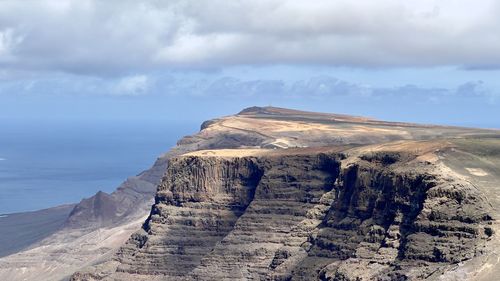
[131,200]
[100,207]
[318,216]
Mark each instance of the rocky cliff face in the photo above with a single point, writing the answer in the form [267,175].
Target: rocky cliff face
[292,213]
[197,205]
[318,216]
[395,223]
[290,201]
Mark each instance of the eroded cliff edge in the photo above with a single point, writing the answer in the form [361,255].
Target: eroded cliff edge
[324,214]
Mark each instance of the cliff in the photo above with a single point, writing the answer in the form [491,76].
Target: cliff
[279,194]
[305,215]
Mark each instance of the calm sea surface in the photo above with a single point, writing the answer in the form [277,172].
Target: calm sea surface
[44,164]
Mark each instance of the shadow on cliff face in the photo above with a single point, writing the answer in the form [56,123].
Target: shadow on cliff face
[396,219]
[369,204]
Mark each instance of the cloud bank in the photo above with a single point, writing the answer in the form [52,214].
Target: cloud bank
[230,88]
[114,37]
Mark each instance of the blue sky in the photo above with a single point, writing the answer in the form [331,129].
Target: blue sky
[423,61]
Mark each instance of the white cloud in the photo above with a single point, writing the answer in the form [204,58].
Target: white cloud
[100,37]
[8,41]
[131,85]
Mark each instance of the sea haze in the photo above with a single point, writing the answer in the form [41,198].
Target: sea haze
[48,163]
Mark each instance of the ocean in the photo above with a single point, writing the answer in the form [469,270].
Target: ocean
[49,163]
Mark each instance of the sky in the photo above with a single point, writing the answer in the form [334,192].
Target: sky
[428,61]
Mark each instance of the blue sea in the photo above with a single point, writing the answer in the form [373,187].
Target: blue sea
[49,163]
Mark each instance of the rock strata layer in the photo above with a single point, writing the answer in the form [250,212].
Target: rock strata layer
[314,216]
